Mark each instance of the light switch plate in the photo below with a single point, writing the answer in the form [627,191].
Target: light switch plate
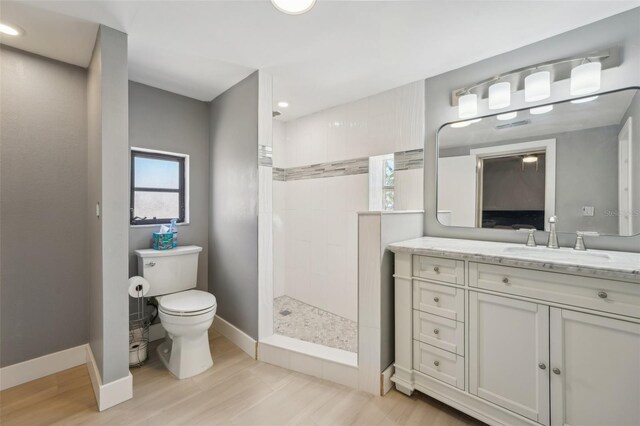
[588,210]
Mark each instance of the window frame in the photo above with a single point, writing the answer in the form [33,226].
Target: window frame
[181,191]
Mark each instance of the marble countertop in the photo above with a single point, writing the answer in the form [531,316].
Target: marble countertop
[601,263]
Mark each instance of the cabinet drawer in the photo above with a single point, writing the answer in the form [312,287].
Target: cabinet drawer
[440,332]
[435,268]
[439,364]
[442,300]
[592,293]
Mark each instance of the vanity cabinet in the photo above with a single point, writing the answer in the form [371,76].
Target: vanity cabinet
[518,345]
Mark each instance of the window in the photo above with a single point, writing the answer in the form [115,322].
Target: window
[381,182]
[157,187]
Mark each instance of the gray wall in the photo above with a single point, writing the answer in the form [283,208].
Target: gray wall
[168,122]
[621,31]
[43,193]
[108,177]
[233,227]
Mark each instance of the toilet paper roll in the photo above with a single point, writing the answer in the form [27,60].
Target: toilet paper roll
[138,287]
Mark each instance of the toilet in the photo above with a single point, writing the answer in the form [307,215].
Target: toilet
[185,313]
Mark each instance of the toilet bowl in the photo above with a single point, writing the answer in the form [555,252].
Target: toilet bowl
[186,317]
[185,313]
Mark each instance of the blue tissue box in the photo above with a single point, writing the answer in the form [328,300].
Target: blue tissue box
[164,241]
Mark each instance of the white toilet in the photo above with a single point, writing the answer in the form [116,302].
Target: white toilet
[186,314]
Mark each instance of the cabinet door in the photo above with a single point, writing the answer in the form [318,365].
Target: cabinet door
[595,364]
[508,354]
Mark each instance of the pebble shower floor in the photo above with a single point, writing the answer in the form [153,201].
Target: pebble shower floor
[296,319]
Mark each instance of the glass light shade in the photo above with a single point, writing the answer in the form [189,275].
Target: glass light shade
[500,95]
[585,78]
[541,110]
[537,86]
[507,116]
[467,106]
[293,7]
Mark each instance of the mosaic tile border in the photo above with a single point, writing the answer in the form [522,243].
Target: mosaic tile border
[403,160]
[407,160]
[265,155]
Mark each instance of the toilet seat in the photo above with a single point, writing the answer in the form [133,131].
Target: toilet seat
[187,303]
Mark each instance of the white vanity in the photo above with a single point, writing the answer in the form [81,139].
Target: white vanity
[516,335]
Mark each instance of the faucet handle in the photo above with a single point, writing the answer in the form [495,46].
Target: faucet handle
[580,241]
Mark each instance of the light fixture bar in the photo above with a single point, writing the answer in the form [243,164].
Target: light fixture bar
[595,57]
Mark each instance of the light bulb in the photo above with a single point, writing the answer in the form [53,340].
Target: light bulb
[537,86]
[585,78]
[500,95]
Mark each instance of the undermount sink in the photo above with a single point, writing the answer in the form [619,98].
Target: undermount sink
[566,254]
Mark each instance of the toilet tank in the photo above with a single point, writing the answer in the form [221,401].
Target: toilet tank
[169,271]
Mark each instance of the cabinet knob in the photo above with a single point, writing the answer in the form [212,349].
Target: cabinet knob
[505,280]
[436,299]
[542,366]
[436,331]
[436,269]
[436,363]
[556,371]
[602,294]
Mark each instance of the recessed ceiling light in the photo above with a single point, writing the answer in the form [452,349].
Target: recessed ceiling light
[530,159]
[507,116]
[283,104]
[12,30]
[583,100]
[293,7]
[541,110]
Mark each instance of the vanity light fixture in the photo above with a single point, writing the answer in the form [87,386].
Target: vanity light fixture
[500,95]
[283,104]
[585,78]
[537,86]
[507,116]
[468,105]
[10,29]
[541,110]
[584,100]
[293,7]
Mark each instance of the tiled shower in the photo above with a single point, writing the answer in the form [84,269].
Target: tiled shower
[321,181]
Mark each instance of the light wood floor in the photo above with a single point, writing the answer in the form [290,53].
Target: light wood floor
[236,390]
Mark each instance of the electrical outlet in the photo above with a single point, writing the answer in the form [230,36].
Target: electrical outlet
[588,211]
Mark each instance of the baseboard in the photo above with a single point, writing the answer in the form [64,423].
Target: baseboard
[385,380]
[237,336]
[112,393]
[23,372]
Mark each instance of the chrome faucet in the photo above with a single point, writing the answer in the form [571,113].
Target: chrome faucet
[552,242]
[531,239]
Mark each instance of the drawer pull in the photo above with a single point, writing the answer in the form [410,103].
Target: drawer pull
[505,280]
[436,299]
[602,294]
[556,371]
[436,331]
[436,363]
[436,269]
[542,366]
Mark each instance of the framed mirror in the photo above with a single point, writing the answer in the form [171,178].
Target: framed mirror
[578,160]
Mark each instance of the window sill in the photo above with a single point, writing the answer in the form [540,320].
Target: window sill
[156,225]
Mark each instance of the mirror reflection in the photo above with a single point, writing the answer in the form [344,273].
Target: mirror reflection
[575,160]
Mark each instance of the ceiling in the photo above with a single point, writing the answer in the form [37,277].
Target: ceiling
[338,52]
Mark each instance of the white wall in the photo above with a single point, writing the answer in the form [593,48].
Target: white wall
[315,220]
